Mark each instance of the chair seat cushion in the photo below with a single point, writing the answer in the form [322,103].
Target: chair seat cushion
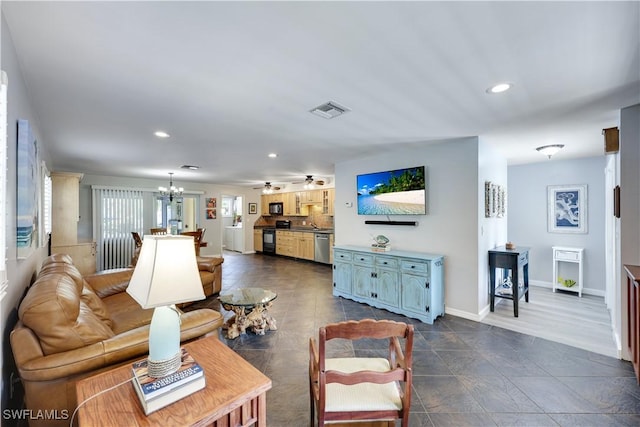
[363,396]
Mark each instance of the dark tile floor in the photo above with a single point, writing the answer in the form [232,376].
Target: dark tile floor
[465,373]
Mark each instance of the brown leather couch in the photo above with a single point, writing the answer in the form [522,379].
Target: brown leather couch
[71,327]
[210,272]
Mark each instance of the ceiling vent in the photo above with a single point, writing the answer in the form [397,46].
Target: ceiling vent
[329,110]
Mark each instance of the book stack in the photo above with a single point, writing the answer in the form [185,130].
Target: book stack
[381,247]
[156,393]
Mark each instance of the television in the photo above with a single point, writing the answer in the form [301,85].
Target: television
[393,192]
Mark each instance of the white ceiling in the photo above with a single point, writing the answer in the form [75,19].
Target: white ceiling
[234,81]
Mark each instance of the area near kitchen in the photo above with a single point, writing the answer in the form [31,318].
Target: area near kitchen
[296,224]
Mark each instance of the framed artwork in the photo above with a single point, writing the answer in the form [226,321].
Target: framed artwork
[27,194]
[211,208]
[253,208]
[567,208]
[495,200]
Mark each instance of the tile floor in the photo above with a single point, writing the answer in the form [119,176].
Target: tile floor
[465,373]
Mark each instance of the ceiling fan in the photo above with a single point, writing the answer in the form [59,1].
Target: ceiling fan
[268,188]
[309,182]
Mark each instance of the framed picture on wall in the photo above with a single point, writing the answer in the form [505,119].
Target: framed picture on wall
[567,208]
[253,208]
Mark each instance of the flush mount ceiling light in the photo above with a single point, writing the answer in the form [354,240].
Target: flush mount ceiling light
[190,167]
[550,150]
[329,110]
[500,87]
[273,155]
[161,134]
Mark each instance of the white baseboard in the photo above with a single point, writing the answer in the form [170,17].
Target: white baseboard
[549,285]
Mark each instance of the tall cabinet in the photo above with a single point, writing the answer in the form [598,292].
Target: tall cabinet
[65,214]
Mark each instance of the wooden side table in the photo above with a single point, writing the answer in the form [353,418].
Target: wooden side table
[514,260]
[235,394]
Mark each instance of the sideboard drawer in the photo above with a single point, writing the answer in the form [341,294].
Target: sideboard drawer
[386,262]
[340,255]
[362,259]
[418,267]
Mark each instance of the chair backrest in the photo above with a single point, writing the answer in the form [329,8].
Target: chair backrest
[399,369]
[137,239]
[197,238]
[158,231]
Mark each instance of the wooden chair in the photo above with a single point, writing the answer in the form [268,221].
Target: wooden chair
[137,239]
[336,386]
[159,231]
[197,237]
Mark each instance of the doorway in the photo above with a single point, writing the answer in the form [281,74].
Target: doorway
[232,223]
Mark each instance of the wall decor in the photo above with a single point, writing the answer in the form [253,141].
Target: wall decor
[495,203]
[253,208]
[211,208]
[567,208]
[27,191]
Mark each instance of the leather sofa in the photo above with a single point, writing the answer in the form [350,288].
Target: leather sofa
[210,272]
[71,327]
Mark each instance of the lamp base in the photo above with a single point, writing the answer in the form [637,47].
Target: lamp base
[162,368]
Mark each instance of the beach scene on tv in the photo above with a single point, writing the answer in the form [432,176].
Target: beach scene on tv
[397,192]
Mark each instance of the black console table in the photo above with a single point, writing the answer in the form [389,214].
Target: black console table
[514,260]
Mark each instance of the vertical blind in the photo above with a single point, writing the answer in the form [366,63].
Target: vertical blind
[117,212]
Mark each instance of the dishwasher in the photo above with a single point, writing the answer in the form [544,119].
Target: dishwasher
[322,248]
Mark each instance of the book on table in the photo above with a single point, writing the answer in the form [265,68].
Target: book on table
[156,393]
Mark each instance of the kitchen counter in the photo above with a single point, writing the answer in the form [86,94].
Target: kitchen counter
[302,229]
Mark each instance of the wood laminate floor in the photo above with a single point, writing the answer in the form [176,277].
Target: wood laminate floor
[582,322]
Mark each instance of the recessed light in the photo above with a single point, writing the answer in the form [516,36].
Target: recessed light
[499,88]
[273,155]
[161,134]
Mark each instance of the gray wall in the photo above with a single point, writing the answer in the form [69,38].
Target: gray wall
[450,227]
[527,205]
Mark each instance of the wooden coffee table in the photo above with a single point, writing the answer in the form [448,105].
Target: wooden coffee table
[250,306]
[232,396]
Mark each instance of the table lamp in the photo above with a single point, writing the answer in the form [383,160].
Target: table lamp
[166,274]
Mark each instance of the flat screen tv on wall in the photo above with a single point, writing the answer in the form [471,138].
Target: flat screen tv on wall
[394,192]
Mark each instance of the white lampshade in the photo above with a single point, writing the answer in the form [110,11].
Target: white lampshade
[166,272]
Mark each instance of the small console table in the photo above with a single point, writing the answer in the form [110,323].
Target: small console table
[514,260]
[572,255]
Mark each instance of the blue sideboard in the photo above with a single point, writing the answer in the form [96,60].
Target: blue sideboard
[403,282]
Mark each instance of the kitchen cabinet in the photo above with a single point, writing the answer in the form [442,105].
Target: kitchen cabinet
[285,243]
[297,203]
[305,246]
[65,214]
[311,196]
[328,196]
[257,240]
[293,205]
[403,282]
[265,199]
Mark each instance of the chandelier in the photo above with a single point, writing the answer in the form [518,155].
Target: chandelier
[172,191]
